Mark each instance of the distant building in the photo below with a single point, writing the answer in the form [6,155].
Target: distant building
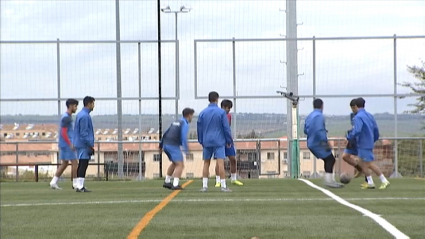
[255,159]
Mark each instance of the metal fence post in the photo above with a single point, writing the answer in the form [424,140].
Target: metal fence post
[395,174]
[314,67]
[421,171]
[339,157]
[98,160]
[119,90]
[17,162]
[279,159]
[234,89]
[58,71]
[177,79]
[259,158]
[139,66]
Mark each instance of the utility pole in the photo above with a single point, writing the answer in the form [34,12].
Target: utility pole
[119,91]
[291,77]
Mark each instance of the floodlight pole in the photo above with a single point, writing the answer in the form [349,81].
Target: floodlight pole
[295,152]
[183,9]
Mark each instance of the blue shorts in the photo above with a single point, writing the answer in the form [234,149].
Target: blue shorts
[320,152]
[351,151]
[229,152]
[218,152]
[366,155]
[66,153]
[173,153]
[83,153]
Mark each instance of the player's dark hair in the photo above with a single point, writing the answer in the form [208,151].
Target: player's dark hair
[188,111]
[360,102]
[87,100]
[317,104]
[70,102]
[226,104]
[353,102]
[213,96]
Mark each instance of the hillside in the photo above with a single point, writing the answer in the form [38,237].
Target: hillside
[264,125]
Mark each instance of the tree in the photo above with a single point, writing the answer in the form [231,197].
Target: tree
[417,88]
[409,154]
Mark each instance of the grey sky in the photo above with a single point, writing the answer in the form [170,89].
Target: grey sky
[343,67]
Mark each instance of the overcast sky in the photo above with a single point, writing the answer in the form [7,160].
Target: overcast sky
[343,67]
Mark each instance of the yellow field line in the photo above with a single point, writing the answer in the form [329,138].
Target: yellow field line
[420,178]
[134,234]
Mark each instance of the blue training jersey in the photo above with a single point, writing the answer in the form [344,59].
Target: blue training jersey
[365,130]
[213,127]
[315,129]
[83,131]
[176,135]
[67,123]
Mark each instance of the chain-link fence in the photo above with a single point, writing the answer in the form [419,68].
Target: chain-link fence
[144,79]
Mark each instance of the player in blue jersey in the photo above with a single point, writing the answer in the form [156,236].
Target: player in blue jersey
[214,135]
[174,137]
[351,148]
[365,132]
[317,141]
[84,141]
[66,148]
[227,105]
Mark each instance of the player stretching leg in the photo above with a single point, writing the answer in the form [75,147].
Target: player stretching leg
[366,133]
[351,149]
[317,141]
[174,137]
[227,105]
[84,141]
[214,135]
[66,148]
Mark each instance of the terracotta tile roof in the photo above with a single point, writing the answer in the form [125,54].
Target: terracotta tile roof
[36,127]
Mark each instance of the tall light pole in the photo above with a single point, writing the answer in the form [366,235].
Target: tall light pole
[119,89]
[183,9]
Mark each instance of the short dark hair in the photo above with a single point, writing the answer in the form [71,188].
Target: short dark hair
[188,111]
[360,102]
[226,103]
[213,96]
[353,102]
[70,102]
[87,100]
[317,104]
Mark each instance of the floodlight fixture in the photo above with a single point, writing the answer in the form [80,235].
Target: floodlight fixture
[185,9]
[166,9]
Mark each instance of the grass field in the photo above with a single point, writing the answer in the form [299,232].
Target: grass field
[268,208]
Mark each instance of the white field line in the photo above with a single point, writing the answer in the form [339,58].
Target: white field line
[381,221]
[201,200]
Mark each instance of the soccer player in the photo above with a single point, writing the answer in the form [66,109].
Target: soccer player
[214,135]
[366,133]
[317,141]
[174,137]
[84,141]
[66,148]
[351,149]
[227,105]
